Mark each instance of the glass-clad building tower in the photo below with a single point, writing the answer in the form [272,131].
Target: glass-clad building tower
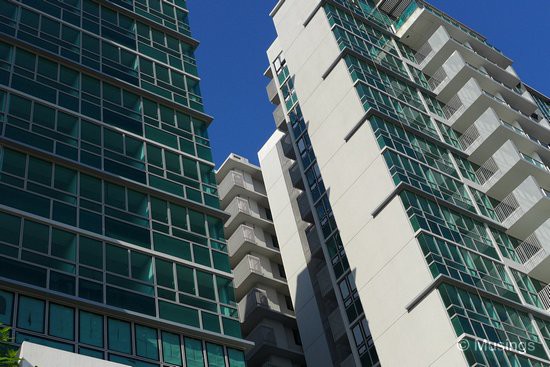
[111,236]
[409,184]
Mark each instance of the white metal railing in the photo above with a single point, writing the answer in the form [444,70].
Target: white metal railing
[487,171]
[508,209]
[529,249]
[423,53]
[469,137]
[438,78]
[453,108]
[544,296]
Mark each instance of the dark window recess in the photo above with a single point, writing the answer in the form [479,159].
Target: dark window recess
[289,304]
[281,271]
[297,338]
[274,241]
[268,214]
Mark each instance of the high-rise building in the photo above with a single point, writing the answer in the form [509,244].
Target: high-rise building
[409,146]
[265,307]
[111,236]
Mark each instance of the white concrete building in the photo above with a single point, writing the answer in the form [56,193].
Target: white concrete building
[409,184]
[261,291]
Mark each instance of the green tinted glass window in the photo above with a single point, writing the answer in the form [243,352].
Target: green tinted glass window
[10,227]
[146,342]
[193,353]
[142,267]
[116,259]
[165,273]
[215,355]
[65,179]
[30,315]
[115,195]
[186,279]
[13,162]
[179,314]
[36,236]
[90,252]
[119,336]
[236,358]
[171,349]
[205,285]
[63,245]
[202,255]
[61,321]
[40,171]
[6,307]
[91,329]
[90,187]
[196,222]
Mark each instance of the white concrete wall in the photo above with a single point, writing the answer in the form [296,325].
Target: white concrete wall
[38,355]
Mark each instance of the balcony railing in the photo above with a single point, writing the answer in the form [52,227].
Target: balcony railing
[544,296]
[508,209]
[469,137]
[530,252]
[487,171]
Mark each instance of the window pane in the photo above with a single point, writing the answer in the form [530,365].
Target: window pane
[63,245]
[10,228]
[90,252]
[193,353]
[61,322]
[117,260]
[186,279]
[236,358]
[31,314]
[91,329]
[205,282]
[142,267]
[36,236]
[215,355]
[146,342]
[165,273]
[171,349]
[6,307]
[120,336]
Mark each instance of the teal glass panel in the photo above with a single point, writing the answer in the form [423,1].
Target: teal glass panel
[91,329]
[30,315]
[215,355]
[236,358]
[90,252]
[36,236]
[186,279]
[61,321]
[117,260]
[6,307]
[146,342]
[10,227]
[210,322]
[171,349]
[179,314]
[205,285]
[119,336]
[193,353]
[63,245]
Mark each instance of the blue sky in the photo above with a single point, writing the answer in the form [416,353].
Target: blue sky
[235,34]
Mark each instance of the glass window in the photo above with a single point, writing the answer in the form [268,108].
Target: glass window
[193,353]
[215,355]
[236,358]
[202,255]
[171,348]
[186,279]
[117,260]
[40,171]
[6,307]
[63,245]
[196,221]
[119,336]
[146,342]
[115,196]
[30,315]
[10,227]
[36,236]
[205,282]
[142,267]
[226,292]
[90,252]
[65,179]
[179,314]
[165,273]
[90,187]
[91,329]
[61,321]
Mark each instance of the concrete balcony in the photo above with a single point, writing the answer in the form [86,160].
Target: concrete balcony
[250,272]
[431,35]
[455,73]
[534,254]
[507,168]
[272,92]
[266,344]
[241,212]
[279,118]
[256,306]
[234,184]
[525,209]
[483,137]
[305,208]
[245,240]
[296,177]
[471,101]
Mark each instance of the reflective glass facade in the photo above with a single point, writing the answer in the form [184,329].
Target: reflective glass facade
[112,239]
